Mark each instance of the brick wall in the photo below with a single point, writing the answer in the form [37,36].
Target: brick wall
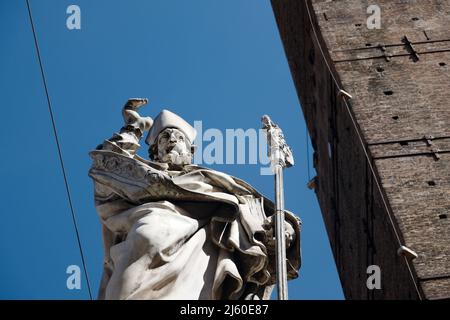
[401,107]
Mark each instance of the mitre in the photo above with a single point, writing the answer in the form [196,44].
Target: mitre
[167,119]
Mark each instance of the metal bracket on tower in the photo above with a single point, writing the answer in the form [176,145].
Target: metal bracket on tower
[404,251]
[312,184]
[387,56]
[343,93]
[435,151]
[411,49]
[429,139]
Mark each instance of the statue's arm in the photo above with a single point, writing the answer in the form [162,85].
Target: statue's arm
[127,140]
[125,143]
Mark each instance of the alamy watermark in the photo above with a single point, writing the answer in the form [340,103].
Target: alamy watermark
[73,281]
[374,20]
[73,21]
[233,146]
[374,278]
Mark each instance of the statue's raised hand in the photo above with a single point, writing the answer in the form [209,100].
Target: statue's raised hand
[136,103]
[132,117]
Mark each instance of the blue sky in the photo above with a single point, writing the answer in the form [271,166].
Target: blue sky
[221,62]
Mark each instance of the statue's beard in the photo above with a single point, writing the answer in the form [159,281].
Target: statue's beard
[173,157]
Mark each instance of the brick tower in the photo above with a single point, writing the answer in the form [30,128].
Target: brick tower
[382,144]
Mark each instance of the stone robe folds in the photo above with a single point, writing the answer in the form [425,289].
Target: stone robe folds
[190,234]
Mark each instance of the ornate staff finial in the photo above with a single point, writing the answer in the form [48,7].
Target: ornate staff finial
[279,152]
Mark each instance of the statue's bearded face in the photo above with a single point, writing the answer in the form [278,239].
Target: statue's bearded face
[173,147]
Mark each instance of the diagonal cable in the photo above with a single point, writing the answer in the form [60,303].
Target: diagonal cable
[55,133]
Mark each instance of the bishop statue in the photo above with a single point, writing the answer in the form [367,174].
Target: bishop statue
[175,230]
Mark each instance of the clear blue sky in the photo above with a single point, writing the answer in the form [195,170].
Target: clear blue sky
[217,61]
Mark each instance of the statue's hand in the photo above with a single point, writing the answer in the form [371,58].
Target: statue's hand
[136,103]
[131,116]
[269,226]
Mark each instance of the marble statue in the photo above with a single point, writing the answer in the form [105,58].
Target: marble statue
[175,230]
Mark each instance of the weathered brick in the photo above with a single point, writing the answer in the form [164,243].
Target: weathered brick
[401,110]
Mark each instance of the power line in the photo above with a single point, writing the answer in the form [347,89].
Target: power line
[55,133]
[363,147]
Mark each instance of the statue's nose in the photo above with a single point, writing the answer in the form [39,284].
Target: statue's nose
[173,138]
